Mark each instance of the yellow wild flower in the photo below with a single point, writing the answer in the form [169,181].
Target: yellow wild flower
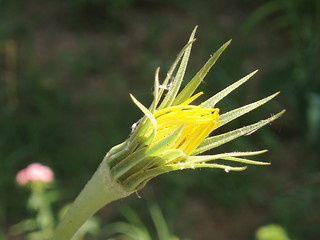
[174,132]
[197,124]
[172,135]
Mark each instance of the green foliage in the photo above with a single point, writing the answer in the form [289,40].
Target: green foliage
[135,229]
[42,221]
[77,60]
[41,225]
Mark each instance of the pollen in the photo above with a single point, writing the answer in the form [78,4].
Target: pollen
[196,121]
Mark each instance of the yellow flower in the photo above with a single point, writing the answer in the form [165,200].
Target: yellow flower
[172,135]
[197,124]
[174,131]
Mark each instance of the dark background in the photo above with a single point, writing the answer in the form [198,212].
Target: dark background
[67,67]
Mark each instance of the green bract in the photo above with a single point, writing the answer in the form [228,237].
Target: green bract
[169,137]
[140,158]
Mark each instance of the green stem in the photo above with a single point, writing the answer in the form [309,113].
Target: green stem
[44,217]
[99,191]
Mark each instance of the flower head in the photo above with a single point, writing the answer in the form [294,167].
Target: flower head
[196,122]
[173,131]
[35,172]
[172,135]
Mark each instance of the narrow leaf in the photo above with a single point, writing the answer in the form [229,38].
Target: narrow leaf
[205,158]
[197,79]
[221,139]
[148,114]
[206,165]
[136,180]
[155,92]
[172,68]
[159,222]
[211,102]
[247,161]
[173,91]
[231,115]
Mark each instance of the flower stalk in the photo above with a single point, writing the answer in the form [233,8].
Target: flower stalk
[99,191]
[169,137]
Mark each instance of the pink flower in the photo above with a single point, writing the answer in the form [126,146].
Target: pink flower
[22,177]
[35,172]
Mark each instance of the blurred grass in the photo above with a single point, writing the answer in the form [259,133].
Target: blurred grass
[67,67]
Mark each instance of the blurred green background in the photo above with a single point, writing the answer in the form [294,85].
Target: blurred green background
[67,67]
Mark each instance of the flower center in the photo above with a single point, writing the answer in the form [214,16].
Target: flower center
[197,124]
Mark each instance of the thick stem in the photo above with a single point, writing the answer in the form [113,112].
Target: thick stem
[99,191]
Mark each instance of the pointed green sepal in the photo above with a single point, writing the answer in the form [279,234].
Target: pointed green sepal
[206,158]
[146,154]
[246,161]
[165,85]
[197,79]
[155,92]
[183,166]
[211,102]
[221,139]
[238,112]
[173,90]
[148,114]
